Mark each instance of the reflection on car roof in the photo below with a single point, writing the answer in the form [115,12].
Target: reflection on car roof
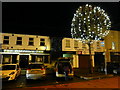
[36,63]
[9,64]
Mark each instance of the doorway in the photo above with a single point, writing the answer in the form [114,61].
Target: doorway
[24,61]
[84,63]
[99,61]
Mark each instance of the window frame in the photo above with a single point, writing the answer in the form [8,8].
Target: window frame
[6,40]
[75,44]
[42,41]
[31,41]
[19,40]
[67,43]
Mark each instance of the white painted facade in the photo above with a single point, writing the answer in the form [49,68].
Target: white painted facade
[81,48]
[25,39]
[112,44]
[36,50]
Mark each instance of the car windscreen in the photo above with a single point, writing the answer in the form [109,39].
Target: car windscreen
[8,67]
[35,66]
[62,64]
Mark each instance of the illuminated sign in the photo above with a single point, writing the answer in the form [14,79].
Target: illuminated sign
[79,52]
[29,51]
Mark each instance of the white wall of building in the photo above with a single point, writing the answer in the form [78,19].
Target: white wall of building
[25,40]
[96,46]
[12,49]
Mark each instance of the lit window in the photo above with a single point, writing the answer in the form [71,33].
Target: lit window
[19,41]
[31,41]
[6,40]
[113,45]
[102,44]
[68,43]
[42,42]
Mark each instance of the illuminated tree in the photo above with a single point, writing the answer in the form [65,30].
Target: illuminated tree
[90,23]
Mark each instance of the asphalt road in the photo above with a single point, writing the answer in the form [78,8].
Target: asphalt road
[49,80]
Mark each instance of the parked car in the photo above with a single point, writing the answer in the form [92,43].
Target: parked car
[63,68]
[113,67]
[10,72]
[35,71]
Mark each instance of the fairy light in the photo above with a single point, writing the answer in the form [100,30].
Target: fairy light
[90,25]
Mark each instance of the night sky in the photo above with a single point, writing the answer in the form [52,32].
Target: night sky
[48,18]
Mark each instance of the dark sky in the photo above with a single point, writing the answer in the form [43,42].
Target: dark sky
[48,18]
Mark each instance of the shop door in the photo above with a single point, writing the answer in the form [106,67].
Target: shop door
[84,63]
[99,62]
[24,61]
[14,58]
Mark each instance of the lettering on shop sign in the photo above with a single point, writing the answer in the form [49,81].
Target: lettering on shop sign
[30,51]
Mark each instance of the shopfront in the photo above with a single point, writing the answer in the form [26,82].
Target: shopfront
[24,57]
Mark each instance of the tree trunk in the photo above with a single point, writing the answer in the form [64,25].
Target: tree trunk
[91,67]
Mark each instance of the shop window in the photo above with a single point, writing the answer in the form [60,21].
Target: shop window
[39,59]
[6,58]
[42,42]
[68,43]
[6,40]
[31,41]
[19,41]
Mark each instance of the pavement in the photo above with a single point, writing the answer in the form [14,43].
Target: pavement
[97,83]
[94,76]
[95,80]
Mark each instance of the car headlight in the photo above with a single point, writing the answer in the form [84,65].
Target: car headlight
[11,73]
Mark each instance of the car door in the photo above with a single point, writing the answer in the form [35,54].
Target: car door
[18,70]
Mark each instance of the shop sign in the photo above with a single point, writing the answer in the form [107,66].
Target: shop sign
[29,51]
[79,52]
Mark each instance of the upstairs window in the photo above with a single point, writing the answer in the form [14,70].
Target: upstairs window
[68,43]
[6,40]
[98,45]
[42,42]
[113,45]
[19,41]
[31,41]
[75,44]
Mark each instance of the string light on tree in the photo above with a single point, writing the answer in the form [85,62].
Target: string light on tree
[90,23]
[89,19]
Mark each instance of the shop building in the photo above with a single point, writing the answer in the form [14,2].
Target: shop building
[103,52]
[23,48]
[112,41]
[80,53]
